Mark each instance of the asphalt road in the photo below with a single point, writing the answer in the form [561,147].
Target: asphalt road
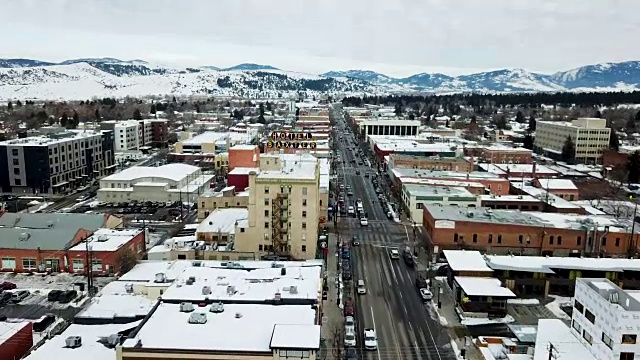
[392,304]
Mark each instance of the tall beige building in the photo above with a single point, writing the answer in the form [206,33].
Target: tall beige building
[590,135]
[284,203]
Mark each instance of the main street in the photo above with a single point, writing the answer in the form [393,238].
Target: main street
[392,304]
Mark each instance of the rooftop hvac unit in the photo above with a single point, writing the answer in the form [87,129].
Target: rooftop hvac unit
[103,238]
[277,296]
[113,340]
[293,289]
[198,318]
[283,271]
[231,290]
[191,280]
[206,290]
[128,287]
[196,263]
[186,307]
[160,278]
[238,315]
[216,308]
[73,342]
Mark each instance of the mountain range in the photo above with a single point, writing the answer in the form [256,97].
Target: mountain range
[109,77]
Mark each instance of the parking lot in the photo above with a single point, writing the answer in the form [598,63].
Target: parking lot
[154,211]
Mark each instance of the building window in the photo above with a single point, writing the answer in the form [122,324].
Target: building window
[266,202]
[304,225]
[241,230]
[617,242]
[607,341]
[587,337]
[29,263]
[579,240]
[520,239]
[14,152]
[266,213]
[16,162]
[260,247]
[304,202]
[96,265]
[304,248]
[589,315]
[576,326]
[578,306]
[475,238]
[629,338]
[266,189]
[320,202]
[304,214]
[490,240]
[266,225]
[294,354]
[16,171]
[559,240]
[455,237]
[604,241]
[304,190]
[499,238]
[78,265]
[627,356]
[551,240]
[8,263]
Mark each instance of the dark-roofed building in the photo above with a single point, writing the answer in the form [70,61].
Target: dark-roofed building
[39,242]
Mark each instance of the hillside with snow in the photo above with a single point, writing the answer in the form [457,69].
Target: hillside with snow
[109,77]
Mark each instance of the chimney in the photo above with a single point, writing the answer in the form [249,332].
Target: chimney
[471,166]
[533,170]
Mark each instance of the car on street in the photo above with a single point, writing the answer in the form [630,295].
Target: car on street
[362,288]
[349,309]
[370,339]
[53,295]
[394,254]
[426,294]
[355,241]
[350,339]
[349,324]
[349,193]
[351,354]
[67,296]
[409,260]
[6,285]
[364,221]
[20,295]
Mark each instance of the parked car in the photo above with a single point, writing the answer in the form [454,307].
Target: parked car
[408,260]
[426,294]
[349,324]
[350,339]
[67,296]
[53,295]
[7,286]
[5,297]
[351,354]
[20,295]
[349,309]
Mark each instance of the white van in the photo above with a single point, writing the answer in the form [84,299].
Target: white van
[394,254]
[362,289]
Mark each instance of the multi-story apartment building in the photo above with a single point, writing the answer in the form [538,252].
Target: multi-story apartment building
[284,203]
[55,163]
[605,318]
[128,134]
[590,136]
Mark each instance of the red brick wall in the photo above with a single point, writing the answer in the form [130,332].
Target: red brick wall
[110,258]
[16,346]
[240,181]
[613,158]
[506,157]
[243,158]
[159,133]
[539,238]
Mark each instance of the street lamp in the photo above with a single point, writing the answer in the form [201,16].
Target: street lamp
[414,226]
[633,225]
[439,292]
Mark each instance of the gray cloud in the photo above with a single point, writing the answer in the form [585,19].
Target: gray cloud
[400,36]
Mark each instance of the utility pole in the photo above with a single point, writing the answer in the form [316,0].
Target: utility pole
[552,350]
[89,265]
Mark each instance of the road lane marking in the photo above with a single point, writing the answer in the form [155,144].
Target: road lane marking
[386,272]
[373,319]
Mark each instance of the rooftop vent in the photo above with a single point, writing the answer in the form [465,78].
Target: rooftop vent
[186,307]
[283,271]
[217,308]
[196,263]
[206,290]
[24,236]
[277,296]
[198,318]
[111,341]
[238,315]
[231,290]
[160,278]
[49,224]
[103,238]
[73,342]
[293,289]
[276,265]
[191,280]
[128,287]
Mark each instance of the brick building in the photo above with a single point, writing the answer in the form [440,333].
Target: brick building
[429,163]
[16,338]
[160,133]
[245,156]
[40,242]
[493,183]
[505,155]
[512,202]
[563,188]
[528,233]
[107,247]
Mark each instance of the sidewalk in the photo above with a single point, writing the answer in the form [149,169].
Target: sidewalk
[332,319]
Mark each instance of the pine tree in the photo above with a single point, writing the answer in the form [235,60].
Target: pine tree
[10,106]
[64,120]
[568,150]
[75,120]
[136,114]
[614,142]
[18,103]
[153,109]
[261,119]
[633,166]
[520,117]
[598,114]
[638,116]
[532,123]
[97,115]
[398,110]
[528,142]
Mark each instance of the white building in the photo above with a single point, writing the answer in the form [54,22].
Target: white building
[398,127]
[606,319]
[415,197]
[590,136]
[167,183]
[129,134]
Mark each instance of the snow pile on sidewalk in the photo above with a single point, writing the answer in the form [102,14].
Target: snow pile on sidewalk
[554,306]
[485,321]
[523,301]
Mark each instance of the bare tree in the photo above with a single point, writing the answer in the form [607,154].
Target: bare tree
[126,261]
[336,341]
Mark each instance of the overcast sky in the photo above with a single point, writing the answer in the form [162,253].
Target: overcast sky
[396,37]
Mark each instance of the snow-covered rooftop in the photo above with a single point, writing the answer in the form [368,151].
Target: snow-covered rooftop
[466,260]
[436,174]
[238,328]
[290,170]
[243,171]
[223,220]
[216,137]
[557,184]
[9,329]
[481,286]
[514,198]
[108,239]
[543,264]
[430,190]
[55,348]
[307,336]
[113,301]
[567,345]
[175,172]
[502,169]
[545,196]
[241,285]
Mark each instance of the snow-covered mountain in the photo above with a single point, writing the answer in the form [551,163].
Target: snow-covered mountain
[109,77]
[84,80]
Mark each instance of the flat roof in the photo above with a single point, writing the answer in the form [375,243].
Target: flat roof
[545,264]
[431,190]
[9,329]
[242,285]
[175,172]
[55,348]
[567,345]
[108,239]
[499,147]
[481,286]
[215,137]
[466,260]
[296,336]
[113,301]
[436,182]
[53,139]
[545,196]
[223,220]
[557,184]
[514,198]
[502,169]
[437,174]
[243,147]
[531,218]
[243,171]
[290,170]
[239,328]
